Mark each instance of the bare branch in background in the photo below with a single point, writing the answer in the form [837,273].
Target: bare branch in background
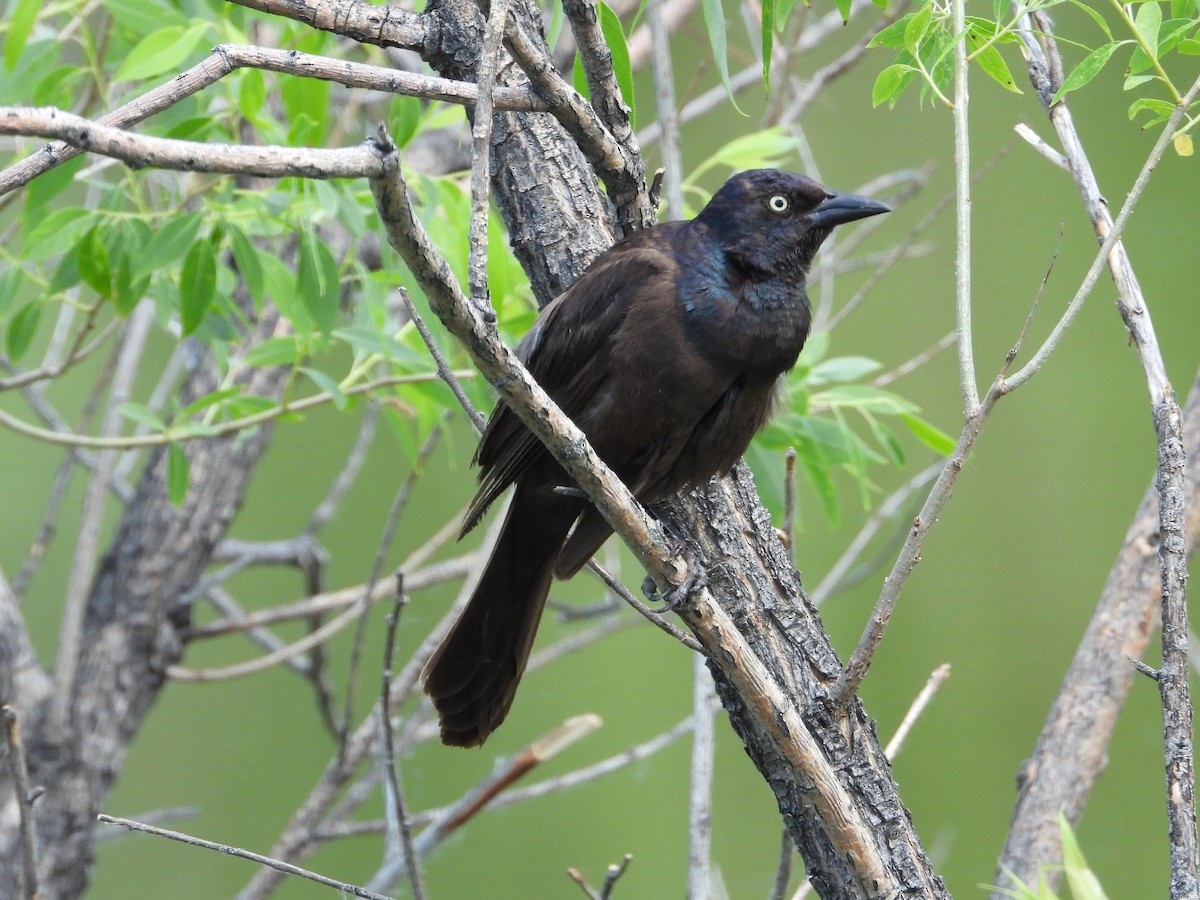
[226,850]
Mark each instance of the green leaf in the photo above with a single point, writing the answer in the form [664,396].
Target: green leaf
[169,242]
[160,52]
[760,149]
[1157,107]
[317,281]
[1096,17]
[197,284]
[21,19]
[177,474]
[142,16]
[12,280]
[1089,67]
[842,368]
[892,35]
[768,41]
[405,119]
[1084,883]
[890,82]
[128,287]
[46,187]
[993,64]
[579,79]
[614,36]
[92,260]
[57,232]
[208,400]
[245,255]
[783,10]
[328,385]
[927,434]
[714,21]
[816,348]
[987,30]
[990,60]
[918,26]
[1183,9]
[252,94]
[22,329]
[861,396]
[307,104]
[141,415]
[887,440]
[1134,81]
[276,351]
[249,405]
[193,429]
[818,475]
[66,275]
[368,341]
[1148,22]
[938,58]
[843,7]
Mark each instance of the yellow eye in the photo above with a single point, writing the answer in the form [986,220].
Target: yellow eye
[778,203]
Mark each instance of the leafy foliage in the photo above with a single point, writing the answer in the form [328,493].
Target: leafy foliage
[188,245]
[1082,880]
[924,42]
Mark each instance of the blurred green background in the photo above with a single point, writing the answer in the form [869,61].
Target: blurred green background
[1006,586]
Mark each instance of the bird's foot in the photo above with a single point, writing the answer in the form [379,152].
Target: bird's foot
[674,598]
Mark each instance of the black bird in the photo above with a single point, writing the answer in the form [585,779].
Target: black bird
[666,353]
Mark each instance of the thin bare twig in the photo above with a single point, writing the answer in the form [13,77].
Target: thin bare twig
[277,864]
[962,178]
[789,502]
[447,374]
[920,702]
[438,573]
[481,170]
[860,660]
[618,167]
[668,113]
[475,800]
[603,90]
[399,832]
[905,368]
[364,606]
[704,741]
[633,600]
[783,870]
[835,578]
[611,876]
[19,773]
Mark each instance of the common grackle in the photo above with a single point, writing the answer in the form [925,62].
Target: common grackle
[666,353]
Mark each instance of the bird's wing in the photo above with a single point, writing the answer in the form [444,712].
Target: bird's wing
[567,351]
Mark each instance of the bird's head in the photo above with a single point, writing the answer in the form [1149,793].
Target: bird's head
[774,221]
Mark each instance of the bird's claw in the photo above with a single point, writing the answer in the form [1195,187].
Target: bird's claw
[677,595]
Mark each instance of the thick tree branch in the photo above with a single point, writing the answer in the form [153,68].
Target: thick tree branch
[131,631]
[139,150]
[1072,749]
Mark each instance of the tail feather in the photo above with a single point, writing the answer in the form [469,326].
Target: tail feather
[473,676]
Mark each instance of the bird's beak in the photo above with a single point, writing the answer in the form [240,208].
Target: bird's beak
[838,208]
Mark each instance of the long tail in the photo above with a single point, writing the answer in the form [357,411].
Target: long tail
[473,676]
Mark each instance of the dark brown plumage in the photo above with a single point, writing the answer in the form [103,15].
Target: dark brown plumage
[666,353]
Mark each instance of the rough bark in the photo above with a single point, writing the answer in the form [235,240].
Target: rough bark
[751,574]
[76,744]
[1072,749]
